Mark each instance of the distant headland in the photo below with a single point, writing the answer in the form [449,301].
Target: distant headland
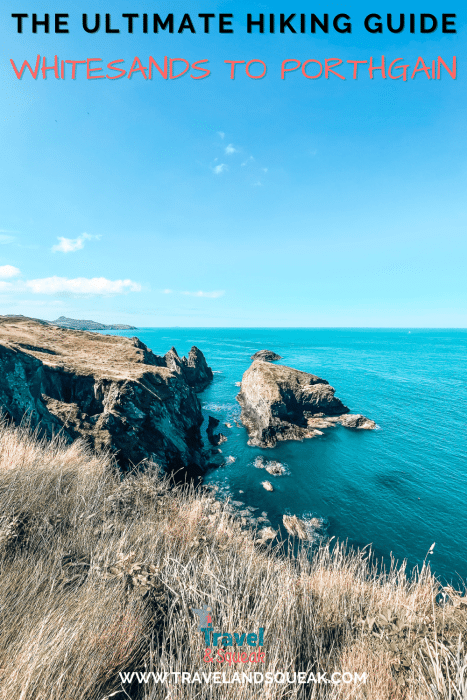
[86,325]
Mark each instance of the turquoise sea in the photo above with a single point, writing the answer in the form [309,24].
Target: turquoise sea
[401,487]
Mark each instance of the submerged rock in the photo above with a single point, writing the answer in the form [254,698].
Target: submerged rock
[216,459]
[277,401]
[357,421]
[112,391]
[266,356]
[315,523]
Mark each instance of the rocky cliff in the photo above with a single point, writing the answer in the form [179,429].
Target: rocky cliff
[277,402]
[112,391]
[194,368]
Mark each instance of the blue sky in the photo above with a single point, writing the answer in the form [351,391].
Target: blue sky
[220,202]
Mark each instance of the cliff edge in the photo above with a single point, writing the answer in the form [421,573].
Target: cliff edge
[112,391]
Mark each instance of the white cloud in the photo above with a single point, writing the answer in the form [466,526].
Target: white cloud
[71,245]
[5,286]
[166,291]
[230,149]
[96,286]
[6,239]
[221,134]
[7,271]
[219,169]
[209,295]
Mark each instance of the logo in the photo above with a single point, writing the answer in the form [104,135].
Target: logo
[217,642]
[205,619]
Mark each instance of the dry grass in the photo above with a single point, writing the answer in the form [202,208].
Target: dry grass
[99,575]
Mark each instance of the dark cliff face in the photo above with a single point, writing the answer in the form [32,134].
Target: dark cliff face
[277,402]
[112,391]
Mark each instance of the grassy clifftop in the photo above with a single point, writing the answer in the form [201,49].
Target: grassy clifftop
[99,575]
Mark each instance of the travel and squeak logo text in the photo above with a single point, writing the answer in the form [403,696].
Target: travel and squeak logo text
[220,654]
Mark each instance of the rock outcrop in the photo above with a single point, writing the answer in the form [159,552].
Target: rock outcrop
[112,391]
[194,369]
[277,402]
[197,372]
[266,356]
[275,468]
[267,485]
[214,438]
[357,421]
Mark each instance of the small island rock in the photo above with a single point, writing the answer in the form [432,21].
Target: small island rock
[267,485]
[266,356]
[277,401]
[357,421]
[275,468]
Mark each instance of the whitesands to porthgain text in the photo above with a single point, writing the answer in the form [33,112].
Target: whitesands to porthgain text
[432,68]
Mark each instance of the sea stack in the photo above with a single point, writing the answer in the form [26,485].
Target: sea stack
[277,402]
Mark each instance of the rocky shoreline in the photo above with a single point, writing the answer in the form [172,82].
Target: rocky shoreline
[119,396]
